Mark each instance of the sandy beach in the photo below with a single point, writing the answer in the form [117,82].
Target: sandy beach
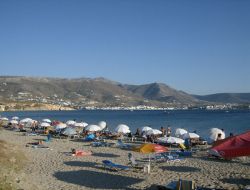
[56,168]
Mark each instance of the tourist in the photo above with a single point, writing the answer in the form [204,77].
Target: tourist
[219,137]
[168,132]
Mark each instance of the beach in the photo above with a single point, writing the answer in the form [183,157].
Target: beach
[56,168]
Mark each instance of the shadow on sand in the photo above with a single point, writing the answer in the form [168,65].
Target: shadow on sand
[81,164]
[97,180]
[181,168]
[105,155]
[237,181]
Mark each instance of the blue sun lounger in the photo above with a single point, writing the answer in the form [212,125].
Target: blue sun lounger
[113,166]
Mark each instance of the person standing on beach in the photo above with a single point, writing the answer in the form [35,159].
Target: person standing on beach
[168,132]
[163,131]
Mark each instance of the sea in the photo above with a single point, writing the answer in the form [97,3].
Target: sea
[201,121]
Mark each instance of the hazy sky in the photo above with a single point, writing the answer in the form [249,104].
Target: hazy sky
[200,47]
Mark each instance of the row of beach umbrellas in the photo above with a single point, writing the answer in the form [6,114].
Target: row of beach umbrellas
[180,134]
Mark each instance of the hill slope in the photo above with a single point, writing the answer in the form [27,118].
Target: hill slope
[240,98]
[85,91]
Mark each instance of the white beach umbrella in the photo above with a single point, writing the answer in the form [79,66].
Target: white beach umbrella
[46,120]
[4,119]
[15,118]
[145,129]
[26,120]
[180,132]
[214,134]
[70,122]
[14,121]
[190,136]
[153,132]
[60,126]
[122,128]
[82,124]
[170,140]
[92,128]
[102,124]
[69,131]
[44,124]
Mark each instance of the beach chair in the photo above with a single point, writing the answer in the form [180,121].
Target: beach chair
[167,157]
[184,153]
[121,145]
[110,165]
[133,162]
[100,144]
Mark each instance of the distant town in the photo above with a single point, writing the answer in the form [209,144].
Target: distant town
[26,101]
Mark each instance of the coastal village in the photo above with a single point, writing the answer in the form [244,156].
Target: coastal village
[26,101]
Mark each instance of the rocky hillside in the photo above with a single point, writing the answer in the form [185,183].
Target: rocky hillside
[239,98]
[87,92]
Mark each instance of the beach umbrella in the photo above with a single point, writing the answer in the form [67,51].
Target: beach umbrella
[233,146]
[170,140]
[44,124]
[180,132]
[4,119]
[26,120]
[70,122]
[69,131]
[54,123]
[92,128]
[190,136]
[14,121]
[102,124]
[82,124]
[150,148]
[122,128]
[214,134]
[15,118]
[145,129]
[153,132]
[60,126]
[46,120]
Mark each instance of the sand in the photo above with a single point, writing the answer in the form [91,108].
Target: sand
[55,168]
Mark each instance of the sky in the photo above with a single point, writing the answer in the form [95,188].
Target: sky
[200,47]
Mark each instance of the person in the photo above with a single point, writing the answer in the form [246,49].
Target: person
[33,126]
[80,152]
[168,132]
[138,132]
[219,137]
[187,143]
[163,131]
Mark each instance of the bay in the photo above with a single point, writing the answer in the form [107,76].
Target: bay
[235,121]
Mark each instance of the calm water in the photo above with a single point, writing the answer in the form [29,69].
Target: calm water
[236,121]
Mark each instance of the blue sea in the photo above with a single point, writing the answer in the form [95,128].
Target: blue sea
[235,121]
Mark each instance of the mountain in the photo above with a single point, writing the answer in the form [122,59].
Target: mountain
[90,92]
[239,98]
[161,92]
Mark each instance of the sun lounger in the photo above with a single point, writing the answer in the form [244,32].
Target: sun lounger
[121,145]
[133,162]
[184,153]
[113,166]
[167,157]
[100,144]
